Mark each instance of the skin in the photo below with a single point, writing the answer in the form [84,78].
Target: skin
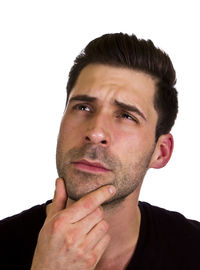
[82,229]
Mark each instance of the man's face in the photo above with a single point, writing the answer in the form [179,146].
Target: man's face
[107,134]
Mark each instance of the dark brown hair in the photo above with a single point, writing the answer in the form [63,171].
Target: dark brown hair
[123,50]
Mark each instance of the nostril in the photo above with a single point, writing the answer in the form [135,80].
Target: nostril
[87,138]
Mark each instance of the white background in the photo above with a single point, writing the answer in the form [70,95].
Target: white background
[38,43]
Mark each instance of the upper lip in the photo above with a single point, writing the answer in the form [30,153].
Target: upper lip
[93,164]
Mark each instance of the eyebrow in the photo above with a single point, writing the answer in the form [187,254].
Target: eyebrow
[124,106]
[130,108]
[83,98]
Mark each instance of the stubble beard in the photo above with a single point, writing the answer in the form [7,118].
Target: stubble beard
[125,177]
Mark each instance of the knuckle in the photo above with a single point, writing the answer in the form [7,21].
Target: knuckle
[70,239]
[106,240]
[69,243]
[80,252]
[103,225]
[88,202]
[99,212]
[91,260]
[57,223]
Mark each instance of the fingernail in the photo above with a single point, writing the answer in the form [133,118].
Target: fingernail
[112,190]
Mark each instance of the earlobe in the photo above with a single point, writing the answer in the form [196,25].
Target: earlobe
[163,151]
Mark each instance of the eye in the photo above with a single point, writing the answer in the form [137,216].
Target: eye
[127,116]
[81,107]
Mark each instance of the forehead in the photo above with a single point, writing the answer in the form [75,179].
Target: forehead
[107,83]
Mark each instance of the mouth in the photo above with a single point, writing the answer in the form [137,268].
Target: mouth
[88,166]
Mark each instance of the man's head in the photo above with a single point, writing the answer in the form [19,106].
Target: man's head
[107,134]
[123,50]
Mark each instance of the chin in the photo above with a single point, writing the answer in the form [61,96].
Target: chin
[77,194]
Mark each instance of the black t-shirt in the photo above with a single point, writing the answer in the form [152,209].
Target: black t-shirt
[167,240]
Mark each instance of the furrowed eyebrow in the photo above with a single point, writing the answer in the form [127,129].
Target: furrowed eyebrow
[130,108]
[83,98]
[122,105]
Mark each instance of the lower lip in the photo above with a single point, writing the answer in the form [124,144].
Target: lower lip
[88,168]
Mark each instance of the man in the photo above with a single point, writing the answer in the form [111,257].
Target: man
[121,106]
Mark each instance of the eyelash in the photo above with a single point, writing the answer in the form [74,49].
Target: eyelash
[79,106]
[125,115]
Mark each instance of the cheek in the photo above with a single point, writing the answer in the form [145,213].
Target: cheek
[69,133]
[132,144]
[125,142]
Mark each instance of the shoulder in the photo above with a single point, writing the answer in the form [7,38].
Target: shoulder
[168,240]
[169,220]
[25,213]
[27,222]
[32,217]
[171,235]
[19,235]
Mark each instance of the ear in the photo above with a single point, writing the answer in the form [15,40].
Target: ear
[162,152]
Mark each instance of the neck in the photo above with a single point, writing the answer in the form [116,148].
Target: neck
[124,224]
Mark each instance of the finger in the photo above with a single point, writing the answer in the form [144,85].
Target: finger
[100,248]
[86,224]
[60,197]
[90,202]
[94,236]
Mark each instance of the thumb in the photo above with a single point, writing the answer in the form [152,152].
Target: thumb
[60,198]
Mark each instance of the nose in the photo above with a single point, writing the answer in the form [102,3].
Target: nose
[98,131]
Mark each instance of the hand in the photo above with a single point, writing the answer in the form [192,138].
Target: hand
[73,238]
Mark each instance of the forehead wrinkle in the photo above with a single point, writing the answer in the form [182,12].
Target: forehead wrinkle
[106,83]
[83,97]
